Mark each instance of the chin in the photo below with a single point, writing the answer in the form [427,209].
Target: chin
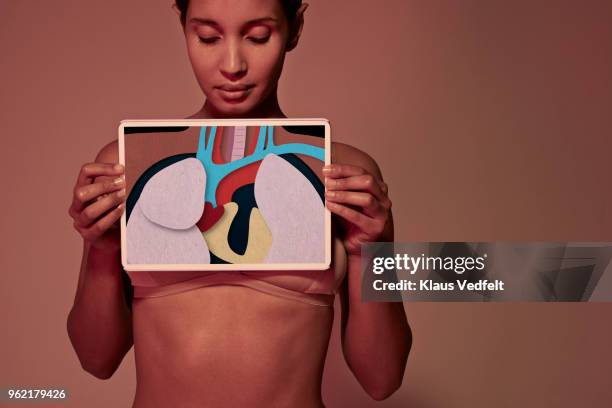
[233,109]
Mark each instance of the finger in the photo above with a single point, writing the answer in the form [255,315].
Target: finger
[96,230]
[93,211]
[90,171]
[361,220]
[365,182]
[371,206]
[83,194]
[342,170]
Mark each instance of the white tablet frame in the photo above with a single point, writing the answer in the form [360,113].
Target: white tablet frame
[225,122]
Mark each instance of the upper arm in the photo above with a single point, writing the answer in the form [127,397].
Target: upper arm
[346,154]
[109,153]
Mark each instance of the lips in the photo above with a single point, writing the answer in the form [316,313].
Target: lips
[234,93]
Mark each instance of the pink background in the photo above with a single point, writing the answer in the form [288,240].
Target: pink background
[490,121]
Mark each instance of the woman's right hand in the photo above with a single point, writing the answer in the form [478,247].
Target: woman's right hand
[98,203]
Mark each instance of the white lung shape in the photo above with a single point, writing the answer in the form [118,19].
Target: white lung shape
[149,243]
[293,211]
[161,228]
[174,197]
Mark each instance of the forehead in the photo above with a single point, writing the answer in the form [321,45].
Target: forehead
[234,12]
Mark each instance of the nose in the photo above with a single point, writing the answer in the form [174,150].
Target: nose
[233,65]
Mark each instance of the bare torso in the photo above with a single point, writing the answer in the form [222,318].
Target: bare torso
[229,346]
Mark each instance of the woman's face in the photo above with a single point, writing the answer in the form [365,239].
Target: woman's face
[237,50]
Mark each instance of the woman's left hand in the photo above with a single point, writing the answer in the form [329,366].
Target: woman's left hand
[361,200]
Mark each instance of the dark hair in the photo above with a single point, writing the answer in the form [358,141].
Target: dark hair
[289,6]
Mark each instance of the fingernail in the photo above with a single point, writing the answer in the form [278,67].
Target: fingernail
[330,194]
[118,181]
[118,166]
[121,193]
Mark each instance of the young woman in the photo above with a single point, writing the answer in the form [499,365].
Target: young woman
[202,344]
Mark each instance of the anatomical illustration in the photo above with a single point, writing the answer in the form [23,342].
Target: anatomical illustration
[226,201]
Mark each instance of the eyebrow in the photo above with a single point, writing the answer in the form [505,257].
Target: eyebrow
[213,23]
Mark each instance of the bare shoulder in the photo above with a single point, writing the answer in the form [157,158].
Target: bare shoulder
[109,153]
[343,153]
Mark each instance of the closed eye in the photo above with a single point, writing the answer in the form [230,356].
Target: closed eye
[259,40]
[209,40]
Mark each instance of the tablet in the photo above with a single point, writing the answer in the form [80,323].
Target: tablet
[225,194]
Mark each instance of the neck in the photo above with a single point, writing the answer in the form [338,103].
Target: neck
[268,108]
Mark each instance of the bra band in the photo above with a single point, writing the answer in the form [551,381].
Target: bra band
[317,299]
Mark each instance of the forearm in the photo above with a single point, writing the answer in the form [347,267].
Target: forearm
[377,338]
[99,324]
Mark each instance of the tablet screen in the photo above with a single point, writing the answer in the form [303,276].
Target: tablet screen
[225,194]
